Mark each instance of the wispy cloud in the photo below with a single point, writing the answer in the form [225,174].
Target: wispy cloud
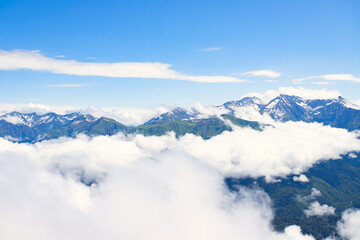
[262,73]
[34,60]
[60,56]
[330,77]
[67,85]
[271,81]
[211,49]
[31,99]
[92,58]
[321,83]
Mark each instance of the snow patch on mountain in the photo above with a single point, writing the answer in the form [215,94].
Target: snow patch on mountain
[301,92]
[12,119]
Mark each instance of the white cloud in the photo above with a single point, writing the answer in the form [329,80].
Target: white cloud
[321,83]
[271,81]
[67,85]
[349,226]
[92,58]
[209,111]
[312,196]
[34,60]
[357,102]
[169,195]
[60,56]
[287,148]
[331,77]
[300,178]
[340,77]
[315,209]
[262,73]
[211,49]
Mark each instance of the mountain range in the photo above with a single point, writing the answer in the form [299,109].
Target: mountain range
[337,112]
[32,127]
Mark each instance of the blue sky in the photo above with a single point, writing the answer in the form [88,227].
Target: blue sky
[314,41]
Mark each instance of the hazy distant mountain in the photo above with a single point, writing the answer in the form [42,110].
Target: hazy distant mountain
[32,127]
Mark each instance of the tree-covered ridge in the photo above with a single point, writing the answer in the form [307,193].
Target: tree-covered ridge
[338,182]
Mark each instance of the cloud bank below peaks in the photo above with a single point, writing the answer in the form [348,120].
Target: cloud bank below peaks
[170,196]
[34,60]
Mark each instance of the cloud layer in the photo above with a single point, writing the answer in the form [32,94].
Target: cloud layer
[130,195]
[34,60]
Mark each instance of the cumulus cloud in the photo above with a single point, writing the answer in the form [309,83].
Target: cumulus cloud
[170,195]
[312,196]
[331,77]
[262,73]
[34,60]
[300,178]
[349,225]
[277,151]
[315,209]
[287,148]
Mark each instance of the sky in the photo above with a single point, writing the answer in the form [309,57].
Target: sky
[144,54]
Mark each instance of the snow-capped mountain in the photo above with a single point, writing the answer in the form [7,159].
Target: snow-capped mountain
[177,114]
[32,127]
[245,102]
[49,119]
[336,112]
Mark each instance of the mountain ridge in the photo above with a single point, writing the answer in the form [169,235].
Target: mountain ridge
[335,112]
